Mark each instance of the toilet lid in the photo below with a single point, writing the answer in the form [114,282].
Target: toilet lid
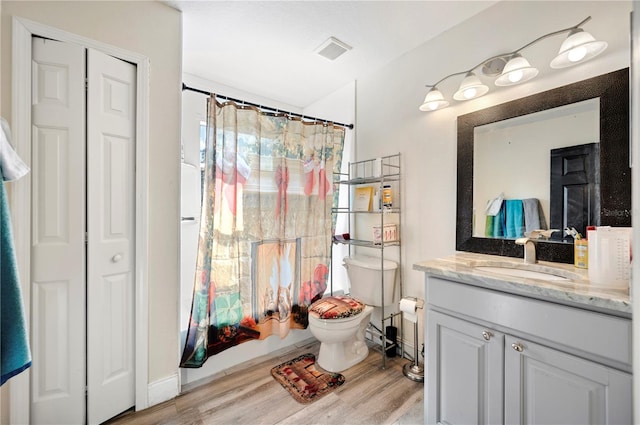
[338,307]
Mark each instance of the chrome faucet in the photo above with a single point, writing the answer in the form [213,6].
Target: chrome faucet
[529,250]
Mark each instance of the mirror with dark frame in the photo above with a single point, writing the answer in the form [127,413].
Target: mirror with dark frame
[612,91]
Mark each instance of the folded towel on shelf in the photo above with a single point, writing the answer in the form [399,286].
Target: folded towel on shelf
[533,215]
[514,218]
[15,355]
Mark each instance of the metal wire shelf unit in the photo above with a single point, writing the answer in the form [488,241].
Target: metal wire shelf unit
[379,173]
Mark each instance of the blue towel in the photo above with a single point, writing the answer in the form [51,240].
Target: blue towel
[11,166]
[514,218]
[15,355]
[498,223]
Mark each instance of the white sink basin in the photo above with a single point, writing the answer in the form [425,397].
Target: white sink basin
[528,271]
[514,272]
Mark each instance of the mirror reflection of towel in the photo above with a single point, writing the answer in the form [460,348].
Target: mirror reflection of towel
[494,205]
[488,225]
[533,215]
[514,218]
[498,223]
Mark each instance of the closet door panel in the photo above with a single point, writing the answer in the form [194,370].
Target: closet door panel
[58,231]
[111,214]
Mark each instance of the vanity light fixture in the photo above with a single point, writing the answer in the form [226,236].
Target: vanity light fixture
[434,100]
[516,71]
[512,68]
[470,88]
[580,46]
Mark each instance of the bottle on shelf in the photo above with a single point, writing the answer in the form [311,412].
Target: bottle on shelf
[387,196]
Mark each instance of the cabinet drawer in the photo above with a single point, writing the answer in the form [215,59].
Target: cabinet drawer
[594,335]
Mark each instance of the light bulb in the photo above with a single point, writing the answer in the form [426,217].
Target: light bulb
[470,88]
[516,76]
[578,47]
[577,54]
[470,93]
[433,101]
[516,71]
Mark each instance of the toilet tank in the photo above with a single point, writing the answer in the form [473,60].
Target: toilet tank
[365,277]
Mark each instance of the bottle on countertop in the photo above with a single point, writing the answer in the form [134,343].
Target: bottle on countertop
[580,249]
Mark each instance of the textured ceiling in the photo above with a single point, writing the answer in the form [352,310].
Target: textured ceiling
[267,47]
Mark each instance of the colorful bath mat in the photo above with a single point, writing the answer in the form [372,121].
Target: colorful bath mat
[303,381]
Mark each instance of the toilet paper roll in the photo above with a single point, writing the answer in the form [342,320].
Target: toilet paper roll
[408,307]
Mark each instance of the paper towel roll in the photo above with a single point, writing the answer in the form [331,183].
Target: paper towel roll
[408,307]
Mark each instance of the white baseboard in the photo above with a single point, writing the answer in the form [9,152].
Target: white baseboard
[163,390]
[409,349]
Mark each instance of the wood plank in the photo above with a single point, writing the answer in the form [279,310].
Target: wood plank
[248,394]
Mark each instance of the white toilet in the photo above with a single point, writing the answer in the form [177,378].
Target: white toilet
[339,322]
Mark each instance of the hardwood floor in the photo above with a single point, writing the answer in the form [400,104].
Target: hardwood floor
[248,394]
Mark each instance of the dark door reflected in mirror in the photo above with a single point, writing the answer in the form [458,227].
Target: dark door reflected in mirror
[575,188]
[597,110]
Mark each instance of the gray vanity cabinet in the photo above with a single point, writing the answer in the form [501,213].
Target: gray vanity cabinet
[547,386]
[494,358]
[467,361]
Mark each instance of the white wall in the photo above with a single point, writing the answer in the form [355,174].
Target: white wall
[388,119]
[154,30]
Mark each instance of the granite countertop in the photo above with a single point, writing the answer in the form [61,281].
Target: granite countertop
[576,291]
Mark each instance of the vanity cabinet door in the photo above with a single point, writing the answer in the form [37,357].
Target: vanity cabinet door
[464,379]
[546,386]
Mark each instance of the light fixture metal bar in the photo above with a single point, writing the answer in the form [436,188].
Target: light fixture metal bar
[551,34]
[452,75]
[508,55]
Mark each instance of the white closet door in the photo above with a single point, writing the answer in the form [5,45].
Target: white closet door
[111,231]
[83,184]
[57,233]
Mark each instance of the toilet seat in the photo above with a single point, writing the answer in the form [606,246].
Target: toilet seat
[342,340]
[336,309]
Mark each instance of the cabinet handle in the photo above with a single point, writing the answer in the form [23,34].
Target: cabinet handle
[518,347]
[487,335]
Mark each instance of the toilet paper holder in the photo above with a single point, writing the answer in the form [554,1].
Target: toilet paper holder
[415,371]
[419,302]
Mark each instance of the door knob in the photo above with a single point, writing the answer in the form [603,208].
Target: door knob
[116,258]
[487,335]
[518,347]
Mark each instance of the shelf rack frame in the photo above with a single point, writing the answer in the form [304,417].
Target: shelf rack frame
[378,171]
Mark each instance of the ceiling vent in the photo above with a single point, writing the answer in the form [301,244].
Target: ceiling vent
[332,48]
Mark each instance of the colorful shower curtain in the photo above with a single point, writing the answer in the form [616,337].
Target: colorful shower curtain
[265,234]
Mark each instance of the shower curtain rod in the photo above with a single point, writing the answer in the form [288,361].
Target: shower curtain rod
[267,108]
